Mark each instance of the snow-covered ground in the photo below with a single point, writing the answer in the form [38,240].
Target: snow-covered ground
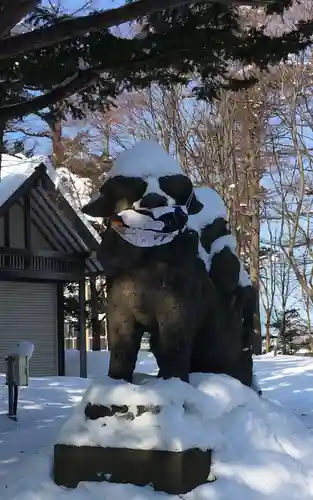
[264,450]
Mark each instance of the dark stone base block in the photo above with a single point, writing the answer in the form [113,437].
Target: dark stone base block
[172,472]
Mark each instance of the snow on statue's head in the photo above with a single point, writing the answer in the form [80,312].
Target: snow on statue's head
[143,177]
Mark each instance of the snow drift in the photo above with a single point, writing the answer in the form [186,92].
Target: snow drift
[260,450]
[263,452]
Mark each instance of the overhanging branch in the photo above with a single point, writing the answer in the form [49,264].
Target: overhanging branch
[72,85]
[67,88]
[12,12]
[71,28]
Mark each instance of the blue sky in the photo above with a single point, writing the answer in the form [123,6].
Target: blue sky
[74,5]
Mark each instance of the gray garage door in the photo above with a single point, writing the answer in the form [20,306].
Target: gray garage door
[28,312]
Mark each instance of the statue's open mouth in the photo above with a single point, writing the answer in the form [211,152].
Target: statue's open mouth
[150,227]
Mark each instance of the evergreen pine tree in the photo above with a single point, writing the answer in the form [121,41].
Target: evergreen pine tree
[290,329]
[60,55]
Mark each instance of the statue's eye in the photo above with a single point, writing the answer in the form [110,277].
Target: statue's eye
[129,188]
[177,187]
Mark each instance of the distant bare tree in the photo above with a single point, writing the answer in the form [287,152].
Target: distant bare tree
[291,170]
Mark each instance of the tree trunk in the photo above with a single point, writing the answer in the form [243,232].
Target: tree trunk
[254,189]
[282,333]
[257,340]
[54,122]
[57,146]
[268,332]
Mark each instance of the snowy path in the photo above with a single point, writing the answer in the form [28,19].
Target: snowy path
[42,408]
[288,380]
[26,447]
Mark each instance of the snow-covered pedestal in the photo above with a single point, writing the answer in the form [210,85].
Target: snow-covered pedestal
[143,433]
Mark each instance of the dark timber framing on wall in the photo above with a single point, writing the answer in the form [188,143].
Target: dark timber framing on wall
[27,222]
[6,228]
[72,256]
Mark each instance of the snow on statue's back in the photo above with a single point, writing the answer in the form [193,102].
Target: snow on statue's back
[147,158]
[213,208]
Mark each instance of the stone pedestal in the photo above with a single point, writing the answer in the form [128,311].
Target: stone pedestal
[172,472]
[86,451]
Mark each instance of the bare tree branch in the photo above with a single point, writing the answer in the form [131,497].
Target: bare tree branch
[29,132]
[71,28]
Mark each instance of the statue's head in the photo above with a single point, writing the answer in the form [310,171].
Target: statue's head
[143,177]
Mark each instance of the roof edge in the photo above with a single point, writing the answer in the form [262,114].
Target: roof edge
[23,188]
